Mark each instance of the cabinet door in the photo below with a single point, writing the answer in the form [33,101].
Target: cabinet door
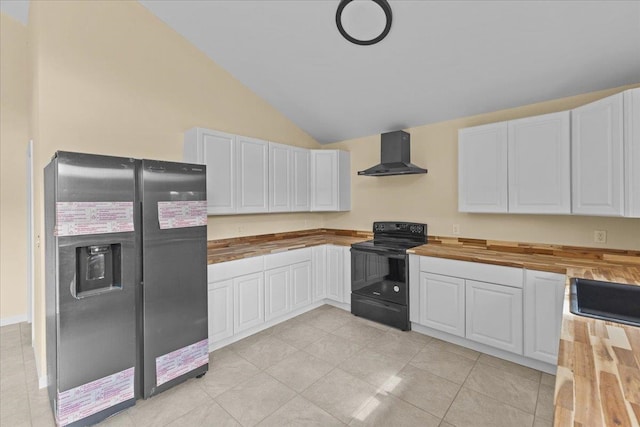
[482,168]
[300,178]
[632,152]
[319,272]
[279,177]
[248,296]
[442,303]
[346,274]
[252,175]
[543,301]
[324,180]
[494,315]
[220,299]
[597,157]
[539,164]
[276,287]
[335,273]
[301,290]
[218,151]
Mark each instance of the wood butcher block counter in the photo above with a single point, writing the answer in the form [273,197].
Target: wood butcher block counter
[598,377]
[265,244]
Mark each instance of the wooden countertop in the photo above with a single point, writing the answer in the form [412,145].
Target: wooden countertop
[265,244]
[598,377]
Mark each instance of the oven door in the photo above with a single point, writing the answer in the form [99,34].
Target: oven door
[380,275]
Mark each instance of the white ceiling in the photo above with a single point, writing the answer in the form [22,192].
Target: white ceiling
[442,59]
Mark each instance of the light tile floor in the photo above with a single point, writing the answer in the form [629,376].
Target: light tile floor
[323,368]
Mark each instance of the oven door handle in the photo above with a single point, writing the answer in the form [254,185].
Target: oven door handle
[380,253]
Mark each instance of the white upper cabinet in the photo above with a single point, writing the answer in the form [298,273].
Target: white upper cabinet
[330,180]
[300,179]
[482,168]
[249,175]
[632,152]
[539,164]
[252,165]
[597,157]
[280,177]
[217,151]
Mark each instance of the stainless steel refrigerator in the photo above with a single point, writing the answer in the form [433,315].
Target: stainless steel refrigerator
[126,281]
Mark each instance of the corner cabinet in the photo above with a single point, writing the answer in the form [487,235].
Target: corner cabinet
[597,157]
[330,180]
[482,168]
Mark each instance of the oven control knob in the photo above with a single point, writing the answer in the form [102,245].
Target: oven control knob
[396,288]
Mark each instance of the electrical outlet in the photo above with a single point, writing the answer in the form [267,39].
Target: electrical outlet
[456,229]
[600,236]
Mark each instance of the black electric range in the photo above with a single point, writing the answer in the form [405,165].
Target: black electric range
[380,271]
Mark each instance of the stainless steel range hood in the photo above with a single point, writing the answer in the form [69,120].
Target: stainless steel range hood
[395,156]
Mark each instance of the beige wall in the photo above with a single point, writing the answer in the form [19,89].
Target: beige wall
[433,198]
[14,136]
[111,78]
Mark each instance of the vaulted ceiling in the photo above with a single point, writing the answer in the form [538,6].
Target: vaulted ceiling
[441,60]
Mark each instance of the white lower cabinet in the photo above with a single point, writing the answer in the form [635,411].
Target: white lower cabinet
[442,303]
[319,267]
[543,301]
[335,273]
[220,299]
[276,299]
[494,315]
[301,285]
[248,306]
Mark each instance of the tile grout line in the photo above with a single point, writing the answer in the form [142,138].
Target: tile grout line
[459,389]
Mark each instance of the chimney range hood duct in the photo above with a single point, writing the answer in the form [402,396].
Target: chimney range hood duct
[395,156]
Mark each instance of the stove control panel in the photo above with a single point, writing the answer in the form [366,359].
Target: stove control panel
[400,228]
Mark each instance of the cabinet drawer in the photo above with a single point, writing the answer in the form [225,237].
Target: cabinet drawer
[287,258]
[508,276]
[235,268]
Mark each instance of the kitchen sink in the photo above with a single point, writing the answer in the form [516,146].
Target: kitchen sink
[615,302]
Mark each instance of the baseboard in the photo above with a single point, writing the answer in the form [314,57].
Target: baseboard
[6,321]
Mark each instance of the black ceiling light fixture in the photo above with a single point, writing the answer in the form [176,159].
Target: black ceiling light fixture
[364,22]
